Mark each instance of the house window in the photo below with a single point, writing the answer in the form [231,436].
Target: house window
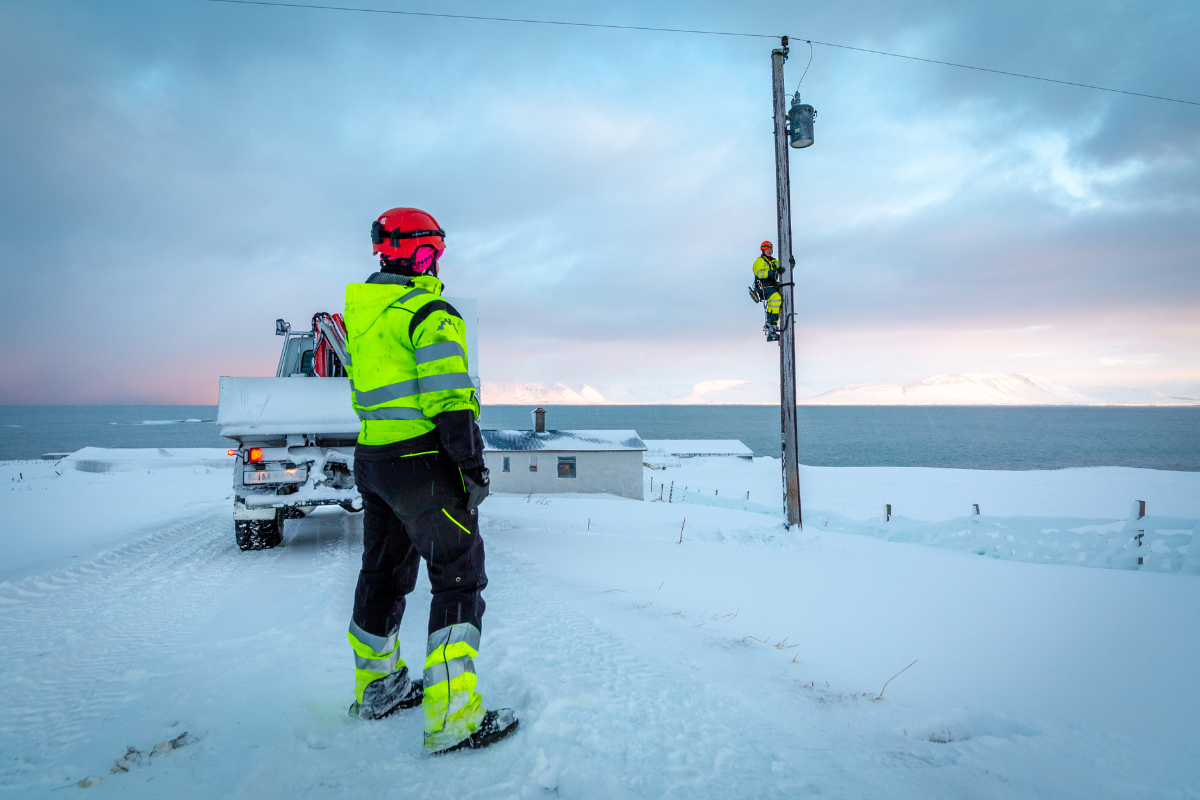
[533,463]
[507,464]
[566,466]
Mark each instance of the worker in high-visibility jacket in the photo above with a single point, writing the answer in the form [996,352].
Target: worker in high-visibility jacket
[419,467]
[766,289]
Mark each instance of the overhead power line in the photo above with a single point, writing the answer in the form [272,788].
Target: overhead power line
[493,19]
[702,33]
[1001,72]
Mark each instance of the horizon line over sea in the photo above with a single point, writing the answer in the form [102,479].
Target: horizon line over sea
[1012,437]
[969,389]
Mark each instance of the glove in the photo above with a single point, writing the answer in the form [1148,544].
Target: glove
[460,437]
[476,482]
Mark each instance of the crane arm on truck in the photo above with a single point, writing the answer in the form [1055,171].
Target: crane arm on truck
[296,437]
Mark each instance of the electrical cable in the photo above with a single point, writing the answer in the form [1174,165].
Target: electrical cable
[806,66]
[810,42]
[491,19]
[1010,74]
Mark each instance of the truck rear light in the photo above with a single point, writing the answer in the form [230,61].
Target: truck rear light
[255,455]
[231,452]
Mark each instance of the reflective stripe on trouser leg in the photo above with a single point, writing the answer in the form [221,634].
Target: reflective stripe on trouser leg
[774,302]
[453,709]
[375,657]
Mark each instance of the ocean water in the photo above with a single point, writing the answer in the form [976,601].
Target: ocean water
[963,437]
[975,437]
[30,431]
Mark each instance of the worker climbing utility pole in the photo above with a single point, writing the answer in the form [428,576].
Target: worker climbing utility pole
[787,316]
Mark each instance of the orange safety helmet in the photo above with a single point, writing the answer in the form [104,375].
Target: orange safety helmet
[765,245]
[400,231]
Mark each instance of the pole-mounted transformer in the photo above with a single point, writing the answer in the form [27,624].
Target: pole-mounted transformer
[800,122]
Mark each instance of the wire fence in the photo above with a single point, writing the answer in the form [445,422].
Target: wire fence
[657,491]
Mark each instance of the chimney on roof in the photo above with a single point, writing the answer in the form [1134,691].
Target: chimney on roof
[539,420]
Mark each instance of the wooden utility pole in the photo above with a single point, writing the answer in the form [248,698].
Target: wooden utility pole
[787,316]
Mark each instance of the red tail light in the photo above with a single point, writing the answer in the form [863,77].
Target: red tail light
[255,455]
[231,452]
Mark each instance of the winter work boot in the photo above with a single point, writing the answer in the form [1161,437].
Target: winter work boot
[387,695]
[772,332]
[496,725]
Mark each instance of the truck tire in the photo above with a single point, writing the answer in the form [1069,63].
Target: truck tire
[258,534]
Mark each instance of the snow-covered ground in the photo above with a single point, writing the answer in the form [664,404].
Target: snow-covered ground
[1077,517]
[55,513]
[743,662]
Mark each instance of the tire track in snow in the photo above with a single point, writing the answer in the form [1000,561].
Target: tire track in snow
[79,641]
[605,712]
[608,709]
[619,713]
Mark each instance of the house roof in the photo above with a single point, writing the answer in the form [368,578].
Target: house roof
[698,447]
[561,440]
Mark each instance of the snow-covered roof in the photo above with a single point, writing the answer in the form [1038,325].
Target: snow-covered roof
[562,440]
[699,447]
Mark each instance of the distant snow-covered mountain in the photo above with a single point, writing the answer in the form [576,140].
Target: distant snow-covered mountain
[520,393]
[730,392]
[1127,395]
[968,389]
[711,392]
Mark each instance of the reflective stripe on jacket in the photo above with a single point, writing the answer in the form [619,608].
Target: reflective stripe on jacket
[408,358]
[765,267]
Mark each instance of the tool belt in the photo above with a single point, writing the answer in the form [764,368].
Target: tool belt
[762,289]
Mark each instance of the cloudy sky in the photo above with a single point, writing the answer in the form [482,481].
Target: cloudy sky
[179,173]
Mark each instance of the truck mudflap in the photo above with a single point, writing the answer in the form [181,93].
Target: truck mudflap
[241,512]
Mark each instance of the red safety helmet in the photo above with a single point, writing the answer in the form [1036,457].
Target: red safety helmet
[400,231]
[765,245]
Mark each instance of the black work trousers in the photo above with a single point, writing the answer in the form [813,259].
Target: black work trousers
[413,509]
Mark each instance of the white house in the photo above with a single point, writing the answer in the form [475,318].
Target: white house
[542,461]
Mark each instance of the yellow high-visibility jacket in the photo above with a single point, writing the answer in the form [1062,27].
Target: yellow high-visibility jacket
[765,268]
[408,358]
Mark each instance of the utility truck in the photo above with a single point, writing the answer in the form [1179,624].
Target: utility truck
[296,432]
